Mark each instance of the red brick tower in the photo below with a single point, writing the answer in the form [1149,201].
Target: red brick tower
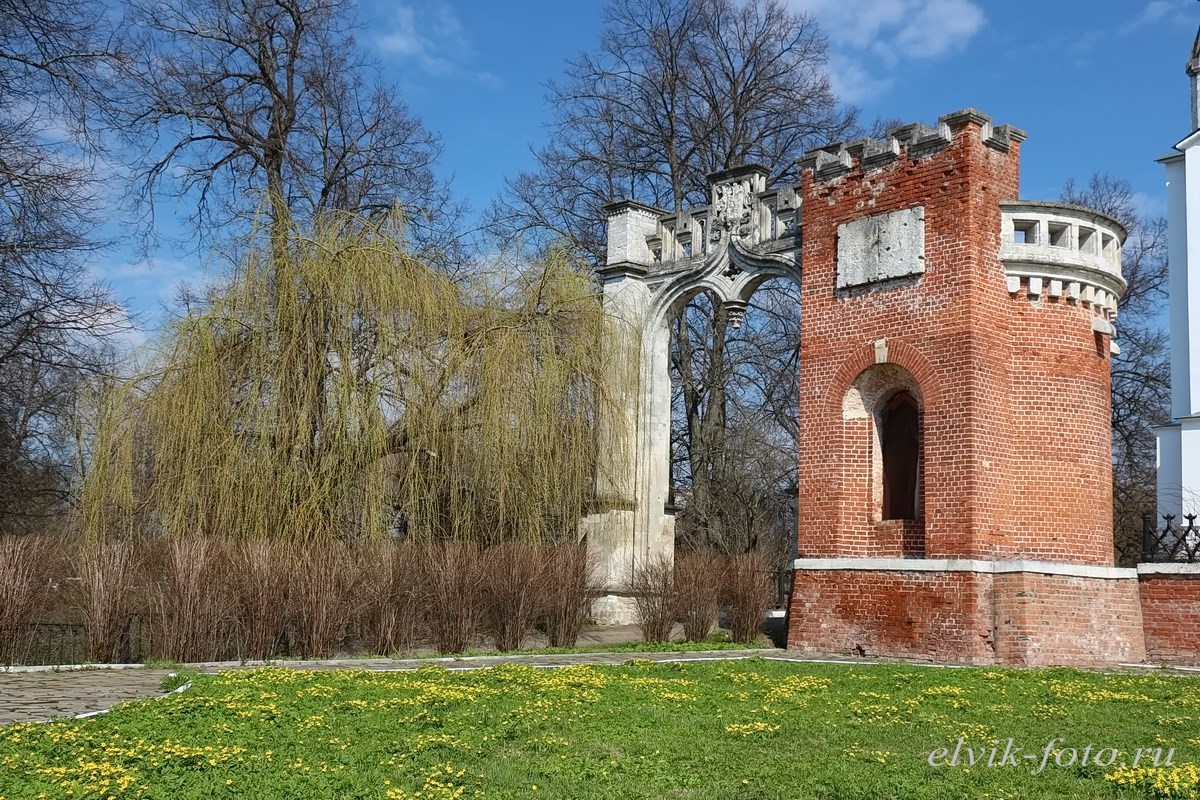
[955,454]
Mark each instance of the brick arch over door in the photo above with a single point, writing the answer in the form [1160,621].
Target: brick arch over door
[899,353]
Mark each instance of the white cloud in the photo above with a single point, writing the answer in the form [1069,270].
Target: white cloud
[1177,12]
[1149,206]
[939,27]
[867,32]
[146,289]
[429,34]
[149,285]
[489,79]
[851,82]
[897,28]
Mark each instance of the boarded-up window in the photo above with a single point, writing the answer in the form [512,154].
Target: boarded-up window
[899,441]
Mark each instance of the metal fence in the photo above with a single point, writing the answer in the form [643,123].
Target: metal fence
[1173,543]
[41,643]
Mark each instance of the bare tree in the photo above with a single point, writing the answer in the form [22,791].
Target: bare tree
[1141,374]
[269,108]
[53,317]
[677,90]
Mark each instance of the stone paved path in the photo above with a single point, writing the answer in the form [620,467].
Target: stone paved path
[39,696]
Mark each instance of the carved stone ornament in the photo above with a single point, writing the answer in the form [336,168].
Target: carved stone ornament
[731,210]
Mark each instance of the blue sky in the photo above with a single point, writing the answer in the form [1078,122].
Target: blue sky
[1099,85]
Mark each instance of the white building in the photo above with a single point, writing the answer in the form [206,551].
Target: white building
[1179,440]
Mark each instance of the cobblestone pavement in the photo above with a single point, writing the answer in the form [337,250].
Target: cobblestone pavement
[39,696]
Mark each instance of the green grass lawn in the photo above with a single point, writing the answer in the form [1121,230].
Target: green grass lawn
[735,729]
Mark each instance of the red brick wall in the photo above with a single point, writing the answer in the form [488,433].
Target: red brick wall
[936,616]
[1171,617]
[1017,460]
[1022,618]
[1046,620]
[1061,483]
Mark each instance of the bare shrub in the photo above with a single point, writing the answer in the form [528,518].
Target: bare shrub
[653,588]
[259,578]
[326,578]
[190,603]
[108,580]
[389,609]
[697,588]
[747,594]
[513,594]
[26,565]
[569,588]
[450,579]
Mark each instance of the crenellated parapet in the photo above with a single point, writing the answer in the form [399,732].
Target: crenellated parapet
[1063,253]
[912,142]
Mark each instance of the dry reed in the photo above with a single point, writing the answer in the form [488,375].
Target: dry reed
[327,577]
[190,600]
[26,567]
[746,594]
[697,587]
[450,578]
[389,613]
[653,589]
[260,573]
[514,593]
[569,589]
[108,581]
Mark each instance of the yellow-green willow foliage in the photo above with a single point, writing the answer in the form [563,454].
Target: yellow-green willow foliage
[348,389]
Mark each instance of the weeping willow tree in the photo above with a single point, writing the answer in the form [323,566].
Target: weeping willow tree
[339,387]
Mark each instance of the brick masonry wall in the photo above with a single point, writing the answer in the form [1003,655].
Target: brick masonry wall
[1024,618]
[1014,426]
[1171,617]
[934,616]
[1060,480]
[1046,620]
[1014,395]
[948,329]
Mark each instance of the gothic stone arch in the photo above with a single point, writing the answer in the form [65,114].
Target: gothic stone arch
[656,262]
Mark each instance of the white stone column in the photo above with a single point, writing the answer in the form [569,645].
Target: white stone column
[626,526]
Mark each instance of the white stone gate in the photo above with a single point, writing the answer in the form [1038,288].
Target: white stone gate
[656,263]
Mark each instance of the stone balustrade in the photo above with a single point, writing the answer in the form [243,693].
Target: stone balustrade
[1063,251]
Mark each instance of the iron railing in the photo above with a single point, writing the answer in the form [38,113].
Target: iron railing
[1174,543]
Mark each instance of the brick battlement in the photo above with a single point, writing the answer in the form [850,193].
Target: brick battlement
[908,142]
